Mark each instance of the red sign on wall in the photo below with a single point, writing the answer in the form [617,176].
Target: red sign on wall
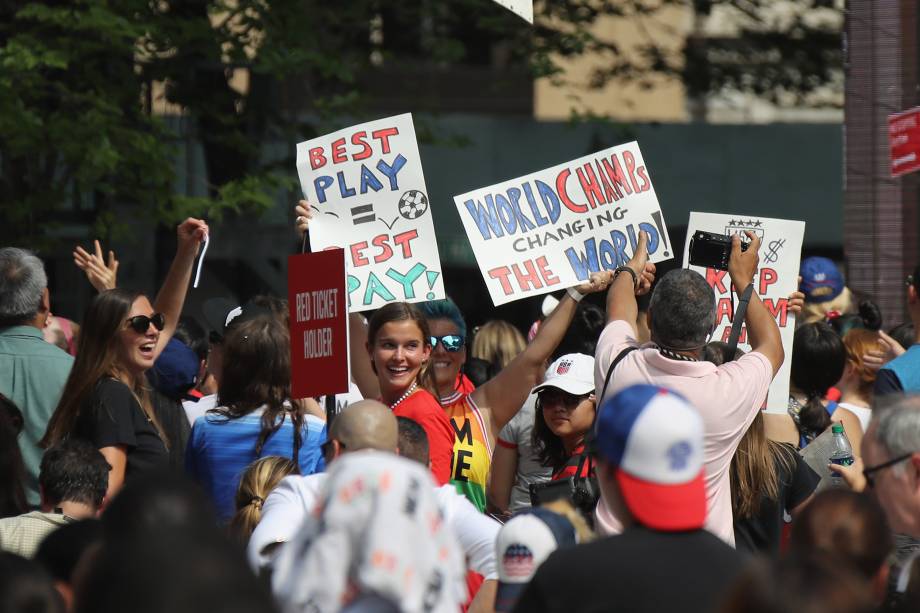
[319,332]
[904,141]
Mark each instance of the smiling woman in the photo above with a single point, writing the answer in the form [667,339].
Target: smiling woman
[399,347]
[106,399]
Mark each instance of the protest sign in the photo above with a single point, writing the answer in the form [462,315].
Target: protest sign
[521,8]
[318,323]
[776,278]
[904,141]
[367,192]
[549,230]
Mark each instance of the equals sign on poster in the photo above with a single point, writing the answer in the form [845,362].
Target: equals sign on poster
[362,214]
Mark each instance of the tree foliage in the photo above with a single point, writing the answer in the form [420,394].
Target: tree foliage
[79,79]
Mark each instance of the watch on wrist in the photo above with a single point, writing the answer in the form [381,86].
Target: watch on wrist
[632,273]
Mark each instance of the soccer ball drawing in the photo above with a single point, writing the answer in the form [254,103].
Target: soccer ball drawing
[413,204]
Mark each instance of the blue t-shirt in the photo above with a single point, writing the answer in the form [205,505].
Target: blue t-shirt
[219,450]
[900,375]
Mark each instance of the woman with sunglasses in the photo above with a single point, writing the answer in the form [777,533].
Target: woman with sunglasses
[106,399]
[566,406]
[478,415]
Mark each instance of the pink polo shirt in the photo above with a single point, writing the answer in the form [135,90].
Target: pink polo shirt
[727,397]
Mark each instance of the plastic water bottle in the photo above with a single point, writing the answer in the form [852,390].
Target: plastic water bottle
[842,453]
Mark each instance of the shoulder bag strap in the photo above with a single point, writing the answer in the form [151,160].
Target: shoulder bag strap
[613,365]
[738,321]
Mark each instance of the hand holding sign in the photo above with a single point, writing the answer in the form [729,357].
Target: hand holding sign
[597,282]
[303,216]
[645,270]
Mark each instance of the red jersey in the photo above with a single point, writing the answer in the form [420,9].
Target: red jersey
[424,409]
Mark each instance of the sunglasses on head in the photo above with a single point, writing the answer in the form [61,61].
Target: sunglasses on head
[140,323]
[451,342]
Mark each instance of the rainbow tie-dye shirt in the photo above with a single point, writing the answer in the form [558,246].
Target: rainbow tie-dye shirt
[472,451]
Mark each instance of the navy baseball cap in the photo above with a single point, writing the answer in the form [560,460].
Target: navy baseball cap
[821,279]
[176,369]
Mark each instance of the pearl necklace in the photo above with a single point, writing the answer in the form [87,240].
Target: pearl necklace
[404,396]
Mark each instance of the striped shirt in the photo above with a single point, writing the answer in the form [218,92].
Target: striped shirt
[472,454]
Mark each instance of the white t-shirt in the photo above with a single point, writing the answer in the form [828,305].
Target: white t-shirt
[517,435]
[290,502]
[194,410]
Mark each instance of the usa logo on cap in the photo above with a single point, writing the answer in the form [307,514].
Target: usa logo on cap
[518,561]
[563,367]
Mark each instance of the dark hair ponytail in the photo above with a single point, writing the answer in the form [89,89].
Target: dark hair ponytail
[869,317]
[818,360]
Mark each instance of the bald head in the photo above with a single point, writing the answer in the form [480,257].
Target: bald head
[366,424]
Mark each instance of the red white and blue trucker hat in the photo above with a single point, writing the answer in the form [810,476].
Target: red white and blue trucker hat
[653,438]
[572,373]
[522,545]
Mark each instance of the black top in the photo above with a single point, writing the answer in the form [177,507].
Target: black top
[639,570]
[762,532]
[112,416]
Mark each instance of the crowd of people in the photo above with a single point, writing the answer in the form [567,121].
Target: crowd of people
[613,458]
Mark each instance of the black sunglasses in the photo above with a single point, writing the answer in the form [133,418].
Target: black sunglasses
[868,472]
[451,342]
[140,323]
[549,396]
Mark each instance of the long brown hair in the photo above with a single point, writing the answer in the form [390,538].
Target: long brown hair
[754,472]
[257,372]
[256,483]
[98,357]
[403,311]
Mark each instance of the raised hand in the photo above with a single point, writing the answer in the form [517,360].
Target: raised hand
[890,349]
[190,234]
[102,275]
[304,214]
[597,282]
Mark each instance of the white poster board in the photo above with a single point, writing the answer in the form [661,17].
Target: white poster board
[549,230]
[367,193]
[776,278]
[522,8]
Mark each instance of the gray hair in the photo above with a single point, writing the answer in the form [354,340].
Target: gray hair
[22,279]
[683,310]
[897,427]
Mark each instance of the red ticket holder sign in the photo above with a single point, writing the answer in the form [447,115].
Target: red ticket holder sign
[319,332]
[904,141]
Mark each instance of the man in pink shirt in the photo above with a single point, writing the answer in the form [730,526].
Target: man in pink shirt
[681,316]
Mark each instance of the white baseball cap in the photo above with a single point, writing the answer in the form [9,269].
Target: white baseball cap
[572,373]
[522,545]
